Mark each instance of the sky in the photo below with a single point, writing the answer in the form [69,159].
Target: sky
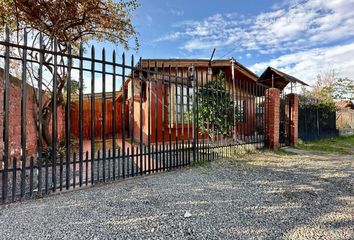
[300,37]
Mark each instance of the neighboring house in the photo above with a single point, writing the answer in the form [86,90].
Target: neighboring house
[205,71]
[344,114]
[344,105]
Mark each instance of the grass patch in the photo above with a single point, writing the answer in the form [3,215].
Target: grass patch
[201,164]
[342,145]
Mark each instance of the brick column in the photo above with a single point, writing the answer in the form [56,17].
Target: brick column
[272,117]
[292,101]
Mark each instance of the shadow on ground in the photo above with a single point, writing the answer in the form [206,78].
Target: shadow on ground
[261,196]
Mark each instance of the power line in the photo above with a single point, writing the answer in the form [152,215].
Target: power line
[282,15]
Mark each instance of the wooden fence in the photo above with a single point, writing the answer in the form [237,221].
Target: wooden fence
[98,118]
[345,119]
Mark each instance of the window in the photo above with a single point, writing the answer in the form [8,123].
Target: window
[240,109]
[179,102]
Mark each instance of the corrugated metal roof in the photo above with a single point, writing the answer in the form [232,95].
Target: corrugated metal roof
[344,104]
[281,79]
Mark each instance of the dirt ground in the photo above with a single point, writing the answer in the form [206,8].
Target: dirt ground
[266,195]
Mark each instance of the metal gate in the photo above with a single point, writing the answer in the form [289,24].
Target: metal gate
[156,117]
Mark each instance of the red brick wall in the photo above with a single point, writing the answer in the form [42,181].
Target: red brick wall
[272,117]
[15,119]
[292,100]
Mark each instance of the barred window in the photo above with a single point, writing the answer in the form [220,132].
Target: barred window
[240,110]
[178,101]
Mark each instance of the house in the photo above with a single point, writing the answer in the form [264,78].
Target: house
[165,112]
[344,105]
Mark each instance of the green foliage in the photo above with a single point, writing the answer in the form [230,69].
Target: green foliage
[344,89]
[215,108]
[342,145]
[326,90]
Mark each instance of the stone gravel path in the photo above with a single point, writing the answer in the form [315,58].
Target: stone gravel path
[261,196]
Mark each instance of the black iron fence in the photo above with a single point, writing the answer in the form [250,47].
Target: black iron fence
[161,117]
[316,123]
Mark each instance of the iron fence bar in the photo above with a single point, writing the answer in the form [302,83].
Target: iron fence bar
[132,109]
[149,116]
[252,112]
[31,177]
[6,84]
[104,114]
[189,120]
[176,116]
[226,93]
[80,169]
[244,106]
[74,170]
[119,160]
[109,165]
[237,104]
[123,116]
[86,167]
[202,116]
[247,111]
[182,116]
[145,170]
[67,113]
[114,114]
[81,115]
[23,115]
[54,114]
[40,113]
[61,173]
[256,115]
[92,108]
[194,115]
[39,165]
[170,116]
[156,162]
[14,177]
[98,165]
[128,159]
[141,115]
[163,118]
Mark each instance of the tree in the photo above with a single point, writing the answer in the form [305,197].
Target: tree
[344,89]
[66,21]
[328,88]
[215,108]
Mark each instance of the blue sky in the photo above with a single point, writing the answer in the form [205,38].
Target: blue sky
[301,37]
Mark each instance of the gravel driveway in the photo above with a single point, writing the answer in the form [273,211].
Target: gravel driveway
[262,196]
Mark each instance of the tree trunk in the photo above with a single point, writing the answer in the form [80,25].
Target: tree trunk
[47,115]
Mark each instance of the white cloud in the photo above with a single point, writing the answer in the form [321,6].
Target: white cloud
[302,38]
[305,65]
[291,27]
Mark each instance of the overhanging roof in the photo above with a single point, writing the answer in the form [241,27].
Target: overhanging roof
[198,63]
[280,79]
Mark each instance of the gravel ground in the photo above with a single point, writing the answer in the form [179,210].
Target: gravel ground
[262,196]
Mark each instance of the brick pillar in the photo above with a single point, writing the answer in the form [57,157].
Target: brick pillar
[292,101]
[272,117]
